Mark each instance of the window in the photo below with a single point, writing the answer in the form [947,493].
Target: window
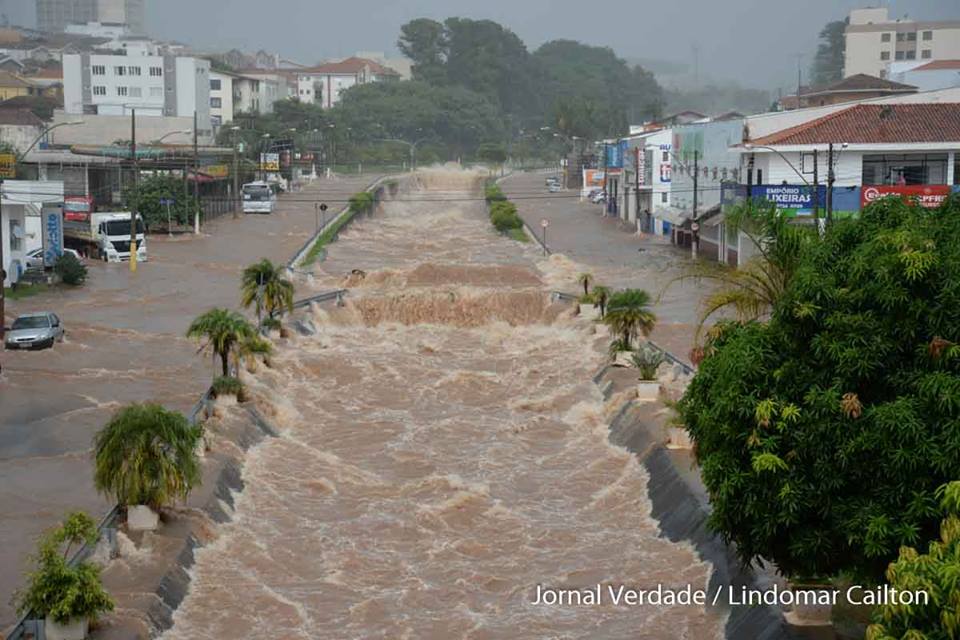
[156,72]
[759,176]
[901,37]
[120,71]
[216,103]
[99,91]
[911,55]
[664,196]
[136,92]
[884,37]
[156,92]
[912,36]
[98,70]
[899,55]
[928,35]
[665,157]
[215,84]
[926,53]
[893,169]
[884,55]
[133,71]
[121,91]
[16,243]
[216,121]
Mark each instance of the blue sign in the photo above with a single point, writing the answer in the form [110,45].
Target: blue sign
[615,152]
[52,236]
[166,202]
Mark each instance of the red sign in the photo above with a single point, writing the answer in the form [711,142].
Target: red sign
[927,195]
[77,208]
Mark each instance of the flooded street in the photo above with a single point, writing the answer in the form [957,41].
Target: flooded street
[442,452]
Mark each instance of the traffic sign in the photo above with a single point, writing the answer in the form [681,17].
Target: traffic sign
[166,202]
[544,223]
[323,206]
[695,226]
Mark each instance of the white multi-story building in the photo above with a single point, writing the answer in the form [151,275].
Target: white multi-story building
[874,41]
[153,85]
[324,84]
[232,94]
[57,15]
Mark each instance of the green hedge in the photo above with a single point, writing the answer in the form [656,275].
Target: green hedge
[362,202]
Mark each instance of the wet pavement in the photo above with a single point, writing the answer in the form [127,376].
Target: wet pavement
[124,344]
[614,254]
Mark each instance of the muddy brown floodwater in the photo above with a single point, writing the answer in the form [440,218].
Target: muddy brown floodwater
[442,452]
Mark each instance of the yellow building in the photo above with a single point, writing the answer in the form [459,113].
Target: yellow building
[13,86]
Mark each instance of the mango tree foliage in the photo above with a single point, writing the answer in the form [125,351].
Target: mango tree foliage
[824,433]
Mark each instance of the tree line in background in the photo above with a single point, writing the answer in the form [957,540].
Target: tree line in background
[474,84]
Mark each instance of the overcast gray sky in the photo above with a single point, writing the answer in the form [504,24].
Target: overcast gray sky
[753,41]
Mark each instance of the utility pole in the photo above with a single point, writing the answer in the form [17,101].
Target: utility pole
[196,178]
[606,180]
[3,273]
[695,225]
[136,191]
[816,185]
[831,178]
[799,78]
[236,179]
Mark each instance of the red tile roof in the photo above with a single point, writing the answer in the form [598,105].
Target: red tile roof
[350,66]
[938,65]
[876,124]
[860,82]
[19,117]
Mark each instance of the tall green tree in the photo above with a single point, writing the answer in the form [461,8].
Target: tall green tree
[823,433]
[264,286]
[222,330]
[828,61]
[424,42]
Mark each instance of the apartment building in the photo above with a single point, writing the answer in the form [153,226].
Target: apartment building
[234,93]
[874,42]
[325,83]
[154,85]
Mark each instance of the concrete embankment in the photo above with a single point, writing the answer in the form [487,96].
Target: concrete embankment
[681,506]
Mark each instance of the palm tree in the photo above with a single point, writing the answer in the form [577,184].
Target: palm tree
[629,314]
[146,455]
[601,295]
[263,285]
[585,279]
[250,347]
[223,330]
[752,290]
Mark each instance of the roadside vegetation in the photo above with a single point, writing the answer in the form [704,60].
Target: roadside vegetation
[363,202]
[825,413]
[503,213]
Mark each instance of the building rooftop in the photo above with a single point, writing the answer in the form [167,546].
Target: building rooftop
[939,65]
[8,79]
[349,66]
[876,124]
[860,82]
[19,117]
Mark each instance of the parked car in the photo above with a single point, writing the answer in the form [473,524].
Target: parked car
[554,187]
[552,180]
[34,331]
[597,196]
[35,258]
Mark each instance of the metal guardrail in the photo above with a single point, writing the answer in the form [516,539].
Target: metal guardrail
[326,296]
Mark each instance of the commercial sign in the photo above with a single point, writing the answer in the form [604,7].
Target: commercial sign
[615,151]
[926,195]
[77,208]
[797,200]
[592,179]
[8,165]
[216,170]
[270,162]
[641,166]
[666,172]
[52,235]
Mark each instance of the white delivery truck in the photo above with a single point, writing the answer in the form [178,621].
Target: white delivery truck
[105,236]
[258,197]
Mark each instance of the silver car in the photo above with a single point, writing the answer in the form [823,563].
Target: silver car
[34,331]
[34,258]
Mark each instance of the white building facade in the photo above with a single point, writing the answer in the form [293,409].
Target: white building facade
[874,42]
[153,85]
